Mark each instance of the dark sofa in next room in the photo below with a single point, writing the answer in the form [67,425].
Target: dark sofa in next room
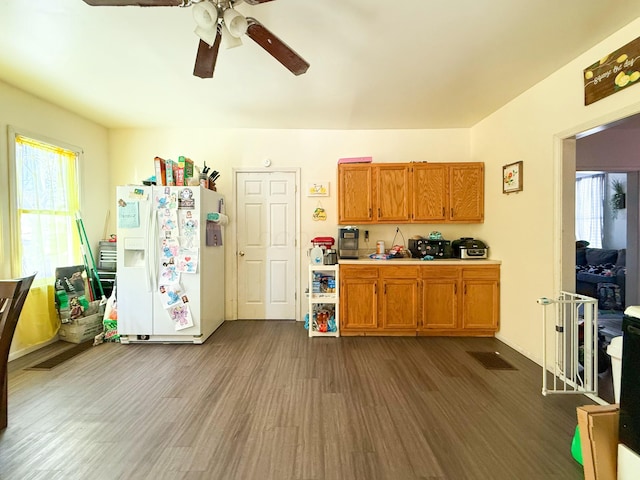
[596,266]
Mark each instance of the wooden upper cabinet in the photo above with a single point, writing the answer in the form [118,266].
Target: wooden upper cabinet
[411,193]
[355,193]
[466,192]
[393,188]
[429,192]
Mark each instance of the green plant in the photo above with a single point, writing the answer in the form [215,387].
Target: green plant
[618,199]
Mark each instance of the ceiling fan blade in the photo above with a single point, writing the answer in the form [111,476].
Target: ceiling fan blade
[206,58]
[138,3]
[276,47]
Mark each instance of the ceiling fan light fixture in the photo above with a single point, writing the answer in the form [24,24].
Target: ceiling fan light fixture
[217,21]
[207,35]
[235,22]
[206,16]
[229,40]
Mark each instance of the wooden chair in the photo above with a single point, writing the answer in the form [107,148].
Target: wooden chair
[13,293]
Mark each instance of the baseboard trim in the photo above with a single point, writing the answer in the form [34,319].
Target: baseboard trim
[31,349]
[529,355]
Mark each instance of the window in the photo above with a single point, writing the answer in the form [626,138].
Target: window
[45,200]
[590,208]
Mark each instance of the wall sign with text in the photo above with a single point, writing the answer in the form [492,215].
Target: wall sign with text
[617,71]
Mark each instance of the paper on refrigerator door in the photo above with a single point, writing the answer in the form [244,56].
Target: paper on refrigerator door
[170,295]
[181,315]
[189,228]
[166,199]
[168,223]
[168,248]
[128,214]
[187,260]
[169,274]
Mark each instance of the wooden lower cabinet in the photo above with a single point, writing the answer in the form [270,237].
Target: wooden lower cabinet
[460,300]
[359,292]
[480,299]
[439,298]
[400,299]
[379,300]
[419,300]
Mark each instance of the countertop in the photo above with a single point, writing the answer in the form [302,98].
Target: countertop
[416,261]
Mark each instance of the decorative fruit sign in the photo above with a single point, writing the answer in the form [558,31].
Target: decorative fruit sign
[617,71]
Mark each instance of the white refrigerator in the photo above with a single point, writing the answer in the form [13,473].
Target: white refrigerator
[170,266]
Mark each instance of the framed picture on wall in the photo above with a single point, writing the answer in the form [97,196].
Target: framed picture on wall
[512,178]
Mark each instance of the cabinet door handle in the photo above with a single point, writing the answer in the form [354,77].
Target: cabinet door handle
[451,212]
[385,289]
[455,288]
[379,214]
[443,214]
[465,289]
[370,214]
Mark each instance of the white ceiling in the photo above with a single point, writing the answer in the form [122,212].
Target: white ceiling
[374,63]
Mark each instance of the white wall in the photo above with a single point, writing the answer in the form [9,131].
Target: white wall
[316,152]
[610,150]
[529,223]
[33,115]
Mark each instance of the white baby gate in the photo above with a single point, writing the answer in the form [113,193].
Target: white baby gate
[574,360]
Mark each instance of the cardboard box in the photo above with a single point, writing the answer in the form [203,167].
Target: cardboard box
[81,329]
[599,440]
[188,170]
[170,180]
[160,167]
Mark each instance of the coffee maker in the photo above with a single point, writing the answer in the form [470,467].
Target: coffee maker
[348,242]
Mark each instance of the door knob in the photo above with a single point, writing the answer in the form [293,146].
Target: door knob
[241,253]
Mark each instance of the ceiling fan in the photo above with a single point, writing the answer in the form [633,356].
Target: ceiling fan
[216,21]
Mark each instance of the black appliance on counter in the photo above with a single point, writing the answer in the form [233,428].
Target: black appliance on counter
[420,247]
[629,426]
[469,248]
[348,242]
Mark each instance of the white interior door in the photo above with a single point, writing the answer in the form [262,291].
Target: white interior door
[266,249]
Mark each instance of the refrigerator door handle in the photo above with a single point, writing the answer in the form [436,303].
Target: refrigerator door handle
[153,250]
[149,251]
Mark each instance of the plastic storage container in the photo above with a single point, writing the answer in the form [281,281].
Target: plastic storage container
[107,256]
[316,255]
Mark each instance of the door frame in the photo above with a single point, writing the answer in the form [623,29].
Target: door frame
[564,166]
[564,169]
[233,274]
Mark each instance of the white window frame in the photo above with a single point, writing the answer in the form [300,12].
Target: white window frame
[14,132]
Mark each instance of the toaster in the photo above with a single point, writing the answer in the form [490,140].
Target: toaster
[469,248]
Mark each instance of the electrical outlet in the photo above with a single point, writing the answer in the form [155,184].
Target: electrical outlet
[366,235]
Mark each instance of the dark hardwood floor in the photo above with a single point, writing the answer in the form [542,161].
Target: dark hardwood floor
[261,400]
